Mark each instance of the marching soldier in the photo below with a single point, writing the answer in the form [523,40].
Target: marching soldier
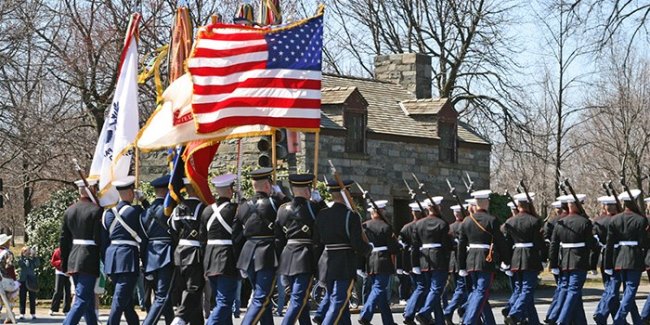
[432,246]
[479,236]
[340,238]
[185,222]
[645,313]
[560,209]
[258,258]
[524,232]
[608,303]
[626,241]
[220,254]
[157,258]
[421,286]
[294,228]
[121,241]
[571,243]
[459,297]
[80,240]
[380,265]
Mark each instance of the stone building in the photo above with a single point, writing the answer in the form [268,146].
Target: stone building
[379,131]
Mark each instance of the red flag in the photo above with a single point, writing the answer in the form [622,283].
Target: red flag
[198,157]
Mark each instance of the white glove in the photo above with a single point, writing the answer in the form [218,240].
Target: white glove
[276,189]
[400,271]
[416,270]
[372,245]
[462,273]
[508,273]
[315,196]
[362,274]
[609,272]
[593,272]
[243,274]
[138,195]
[555,271]
[504,266]
[544,265]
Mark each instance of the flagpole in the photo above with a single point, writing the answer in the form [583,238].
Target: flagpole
[316,148]
[273,153]
[137,167]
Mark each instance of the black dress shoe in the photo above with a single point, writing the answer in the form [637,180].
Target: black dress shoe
[409,321]
[510,321]
[364,322]
[317,320]
[448,320]
[423,320]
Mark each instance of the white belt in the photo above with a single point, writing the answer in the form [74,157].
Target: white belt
[124,242]
[188,242]
[84,242]
[223,242]
[379,249]
[479,246]
[627,243]
[430,245]
[337,247]
[572,245]
[298,241]
[523,245]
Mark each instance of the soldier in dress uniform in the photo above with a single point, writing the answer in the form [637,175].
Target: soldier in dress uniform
[645,313]
[157,258]
[339,236]
[220,254]
[432,245]
[185,222]
[122,240]
[608,303]
[571,243]
[560,209]
[80,240]
[420,285]
[380,264]
[258,259]
[479,236]
[626,242]
[295,230]
[459,297]
[524,233]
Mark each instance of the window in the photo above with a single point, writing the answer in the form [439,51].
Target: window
[355,123]
[447,148]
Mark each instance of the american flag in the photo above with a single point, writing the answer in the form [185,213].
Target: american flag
[258,76]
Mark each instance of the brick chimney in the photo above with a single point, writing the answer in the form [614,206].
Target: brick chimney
[411,70]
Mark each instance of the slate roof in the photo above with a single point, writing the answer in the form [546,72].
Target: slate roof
[385,115]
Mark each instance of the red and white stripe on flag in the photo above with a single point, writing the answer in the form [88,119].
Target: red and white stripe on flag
[252,76]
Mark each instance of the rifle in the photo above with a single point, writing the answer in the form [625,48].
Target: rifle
[369,198]
[581,209]
[414,196]
[452,190]
[619,204]
[436,207]
[635,204]
[530,199]
[91,195]
[346,194]
[607,192]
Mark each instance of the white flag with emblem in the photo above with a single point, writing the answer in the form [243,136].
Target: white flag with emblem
[114,149]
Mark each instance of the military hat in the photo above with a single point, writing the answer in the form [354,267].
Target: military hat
[625,196]
[607,200]
[455,208]
[301,180]
[511,205]
[124,183]
[161,182]
[571,199]
[381,204]
[262,173]
[522,197]
[224,180]
[470,201]
[556,204]
[415,207]
[482,194]
[80,183]
[436,199]
[333,186]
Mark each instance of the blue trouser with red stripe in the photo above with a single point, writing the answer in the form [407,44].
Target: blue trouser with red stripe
[478,305]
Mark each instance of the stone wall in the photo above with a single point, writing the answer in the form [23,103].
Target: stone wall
[411,70]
